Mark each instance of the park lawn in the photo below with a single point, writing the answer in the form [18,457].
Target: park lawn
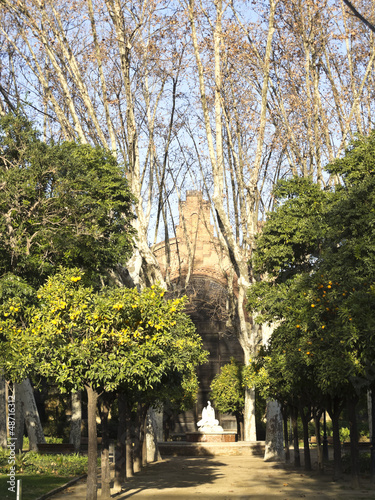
[33,485]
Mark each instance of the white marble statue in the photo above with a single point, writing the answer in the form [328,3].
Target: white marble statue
[208,422]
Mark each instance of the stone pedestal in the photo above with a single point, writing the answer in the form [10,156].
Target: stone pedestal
[183,448]
[211,437]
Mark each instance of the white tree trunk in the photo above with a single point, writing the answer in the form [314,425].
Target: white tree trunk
[250,432]
[274,420]
[3,414]
[32,420]
[274,433]
[75,424]
[239,254]
[159,425]
[153,454]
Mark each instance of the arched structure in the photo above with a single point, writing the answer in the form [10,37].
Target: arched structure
[195,264]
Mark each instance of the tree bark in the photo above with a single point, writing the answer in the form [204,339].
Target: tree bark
[144,441]
[92,479]
[369,412]
[128,441]
[239,422]
[274,433]
[31,415]
[286,434]
[294,416]
[75,424]
[317,416]
[143,434]
[306,445]
[152,434]
[354,452]
[334,409]
[3,414]
[139,436]
[105,471]
[365,21]
[372,431]
[250,433]
[120,450]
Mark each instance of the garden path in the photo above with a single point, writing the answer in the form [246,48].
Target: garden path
[227,478]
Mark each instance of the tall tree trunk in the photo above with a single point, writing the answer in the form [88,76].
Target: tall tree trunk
[250,433]
[354,452]
[128,441]
[306,445]
[105,471]
[317,417]
[274,433]
[143,436]
[286,434]
[92,479]
[20,418]
[75,424]
[3,413]
[369,412]
[239,255]
[294,417]
[144,442]
[31,415]
[334,409]
[120,450]
[138,445]
[239,422]
[372,432]
[167,424]
[154,433]
[249,423]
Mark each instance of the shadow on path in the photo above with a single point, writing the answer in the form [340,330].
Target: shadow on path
[227,478]
[239,478]
[184,472]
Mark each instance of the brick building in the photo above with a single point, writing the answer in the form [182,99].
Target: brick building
[195,264]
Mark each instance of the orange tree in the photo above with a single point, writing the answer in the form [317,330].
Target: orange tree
[102,341]
[228,392]
[60,204]
[349,260]
[310,362]
[317,260]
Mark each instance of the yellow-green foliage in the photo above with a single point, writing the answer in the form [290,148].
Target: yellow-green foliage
[227,388]
[117,337]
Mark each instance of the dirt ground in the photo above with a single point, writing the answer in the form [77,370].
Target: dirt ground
[226,478]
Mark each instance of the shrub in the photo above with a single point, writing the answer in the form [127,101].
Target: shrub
[34,463]
[344,434]
[364,462]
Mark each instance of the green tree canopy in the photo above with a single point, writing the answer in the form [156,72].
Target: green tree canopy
[103,341]
[228,390]
[60,204]
[107,339]
[316,256]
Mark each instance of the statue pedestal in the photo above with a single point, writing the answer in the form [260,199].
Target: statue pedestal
[211,437]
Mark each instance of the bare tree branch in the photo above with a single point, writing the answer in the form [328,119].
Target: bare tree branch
[359,16]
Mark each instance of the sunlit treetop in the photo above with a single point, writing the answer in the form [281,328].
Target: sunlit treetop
[108,339]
